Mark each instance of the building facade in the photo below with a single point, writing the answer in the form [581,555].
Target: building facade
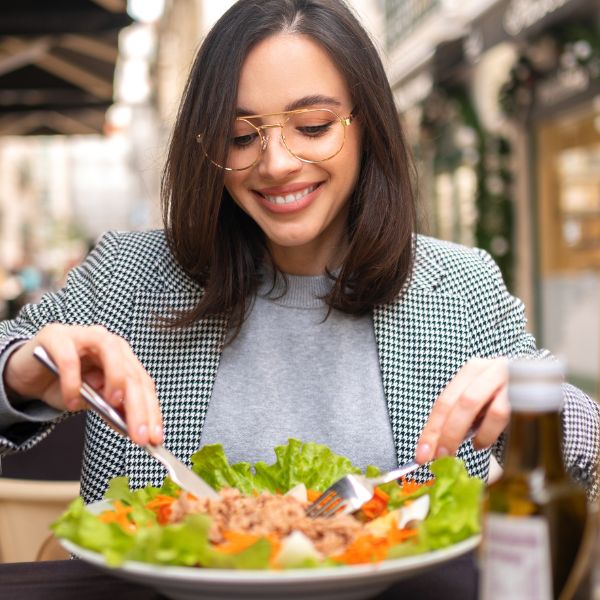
[502,100]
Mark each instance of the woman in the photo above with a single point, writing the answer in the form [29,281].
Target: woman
[287,294]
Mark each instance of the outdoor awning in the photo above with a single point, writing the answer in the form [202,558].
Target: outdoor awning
[57,62]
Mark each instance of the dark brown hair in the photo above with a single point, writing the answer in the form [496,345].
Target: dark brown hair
[220,246]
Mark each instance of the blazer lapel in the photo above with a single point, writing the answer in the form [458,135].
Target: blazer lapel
[182,361]
[423,339]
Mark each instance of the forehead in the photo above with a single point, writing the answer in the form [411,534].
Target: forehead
[285,67]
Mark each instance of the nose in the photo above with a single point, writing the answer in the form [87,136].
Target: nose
[276,161]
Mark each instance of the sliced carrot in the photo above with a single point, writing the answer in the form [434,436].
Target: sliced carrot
[397,536]
[236,542]
[119,515]
[275,548]
[364,549]
[312,495]
[410,486]
[161,505]
[160,500]
[377,505]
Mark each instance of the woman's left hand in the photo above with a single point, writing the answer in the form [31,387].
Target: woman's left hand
[479,389]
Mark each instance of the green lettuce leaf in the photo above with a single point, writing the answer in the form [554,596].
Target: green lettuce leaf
[87,530]
[255,557]
[454,510]
[310,463]
[454,513]
[210,462]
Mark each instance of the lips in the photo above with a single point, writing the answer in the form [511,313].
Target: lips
[287,194]
[289,198]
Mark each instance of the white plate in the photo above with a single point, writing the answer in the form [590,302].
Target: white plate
[336,583]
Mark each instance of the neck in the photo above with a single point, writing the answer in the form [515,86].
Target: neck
[312,259]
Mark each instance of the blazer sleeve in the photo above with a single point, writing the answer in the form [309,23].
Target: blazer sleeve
[502,317]
[79,302]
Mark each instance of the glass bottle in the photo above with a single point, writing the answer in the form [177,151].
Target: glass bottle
[538,531]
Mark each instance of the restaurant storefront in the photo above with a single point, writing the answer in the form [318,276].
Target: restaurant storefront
[508,145]
[567,174]
[552,95]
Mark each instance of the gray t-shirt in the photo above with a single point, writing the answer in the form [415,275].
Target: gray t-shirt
[290,373]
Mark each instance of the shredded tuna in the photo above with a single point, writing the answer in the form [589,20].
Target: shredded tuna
[268,514]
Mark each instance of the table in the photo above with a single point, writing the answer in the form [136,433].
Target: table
[75,579]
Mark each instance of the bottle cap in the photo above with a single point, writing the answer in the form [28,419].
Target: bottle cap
[535,384]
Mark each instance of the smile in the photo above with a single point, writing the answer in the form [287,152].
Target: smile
[289,198]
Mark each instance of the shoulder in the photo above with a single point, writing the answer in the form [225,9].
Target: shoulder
[134,243]
[142,258]
[453,268]
[432,252]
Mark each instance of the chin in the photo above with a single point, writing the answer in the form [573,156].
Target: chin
[291,241]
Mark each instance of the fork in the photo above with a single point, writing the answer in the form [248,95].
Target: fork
[349,493]
[179,472]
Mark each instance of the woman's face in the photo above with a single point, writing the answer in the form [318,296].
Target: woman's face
[302,208]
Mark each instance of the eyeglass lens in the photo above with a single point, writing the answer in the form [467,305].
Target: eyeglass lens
[312,136]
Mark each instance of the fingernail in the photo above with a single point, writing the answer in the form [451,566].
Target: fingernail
[158,433]
[441,451]
[143,433]
[423,452]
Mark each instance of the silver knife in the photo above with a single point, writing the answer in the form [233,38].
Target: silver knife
[178,472]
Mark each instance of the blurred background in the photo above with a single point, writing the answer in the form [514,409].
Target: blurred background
[500,99]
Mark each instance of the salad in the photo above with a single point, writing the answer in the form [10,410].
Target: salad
[259,521]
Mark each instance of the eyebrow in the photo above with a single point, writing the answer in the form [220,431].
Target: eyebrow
[304,102]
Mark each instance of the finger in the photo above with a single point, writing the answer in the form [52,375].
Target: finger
[113,356]
[494,422]
[127,386]
[427,444]
[151,418]
[481,391]
[136,414]
[64,352]
[94,378]
[155,423]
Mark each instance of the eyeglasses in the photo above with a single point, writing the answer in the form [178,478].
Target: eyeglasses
[311,135]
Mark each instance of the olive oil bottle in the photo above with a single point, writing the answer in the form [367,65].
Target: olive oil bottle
[538,531]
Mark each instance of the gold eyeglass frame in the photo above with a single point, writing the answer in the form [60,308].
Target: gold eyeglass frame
[264,139]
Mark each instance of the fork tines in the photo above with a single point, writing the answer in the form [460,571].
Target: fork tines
[326,505]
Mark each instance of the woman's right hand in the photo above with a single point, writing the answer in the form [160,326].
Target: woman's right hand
[104,360]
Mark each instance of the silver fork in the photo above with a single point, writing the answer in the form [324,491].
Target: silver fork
[179,472]
[349,493]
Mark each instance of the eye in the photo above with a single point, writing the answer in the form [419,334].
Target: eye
[315,130]
[241,141]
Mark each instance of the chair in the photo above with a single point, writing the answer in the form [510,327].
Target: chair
[27,508]
[51,550]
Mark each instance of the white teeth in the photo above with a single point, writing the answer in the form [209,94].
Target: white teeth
[291,197]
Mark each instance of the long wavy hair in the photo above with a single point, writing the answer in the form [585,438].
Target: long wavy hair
[221,247]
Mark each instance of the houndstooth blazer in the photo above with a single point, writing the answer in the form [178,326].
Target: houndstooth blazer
[455,307]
